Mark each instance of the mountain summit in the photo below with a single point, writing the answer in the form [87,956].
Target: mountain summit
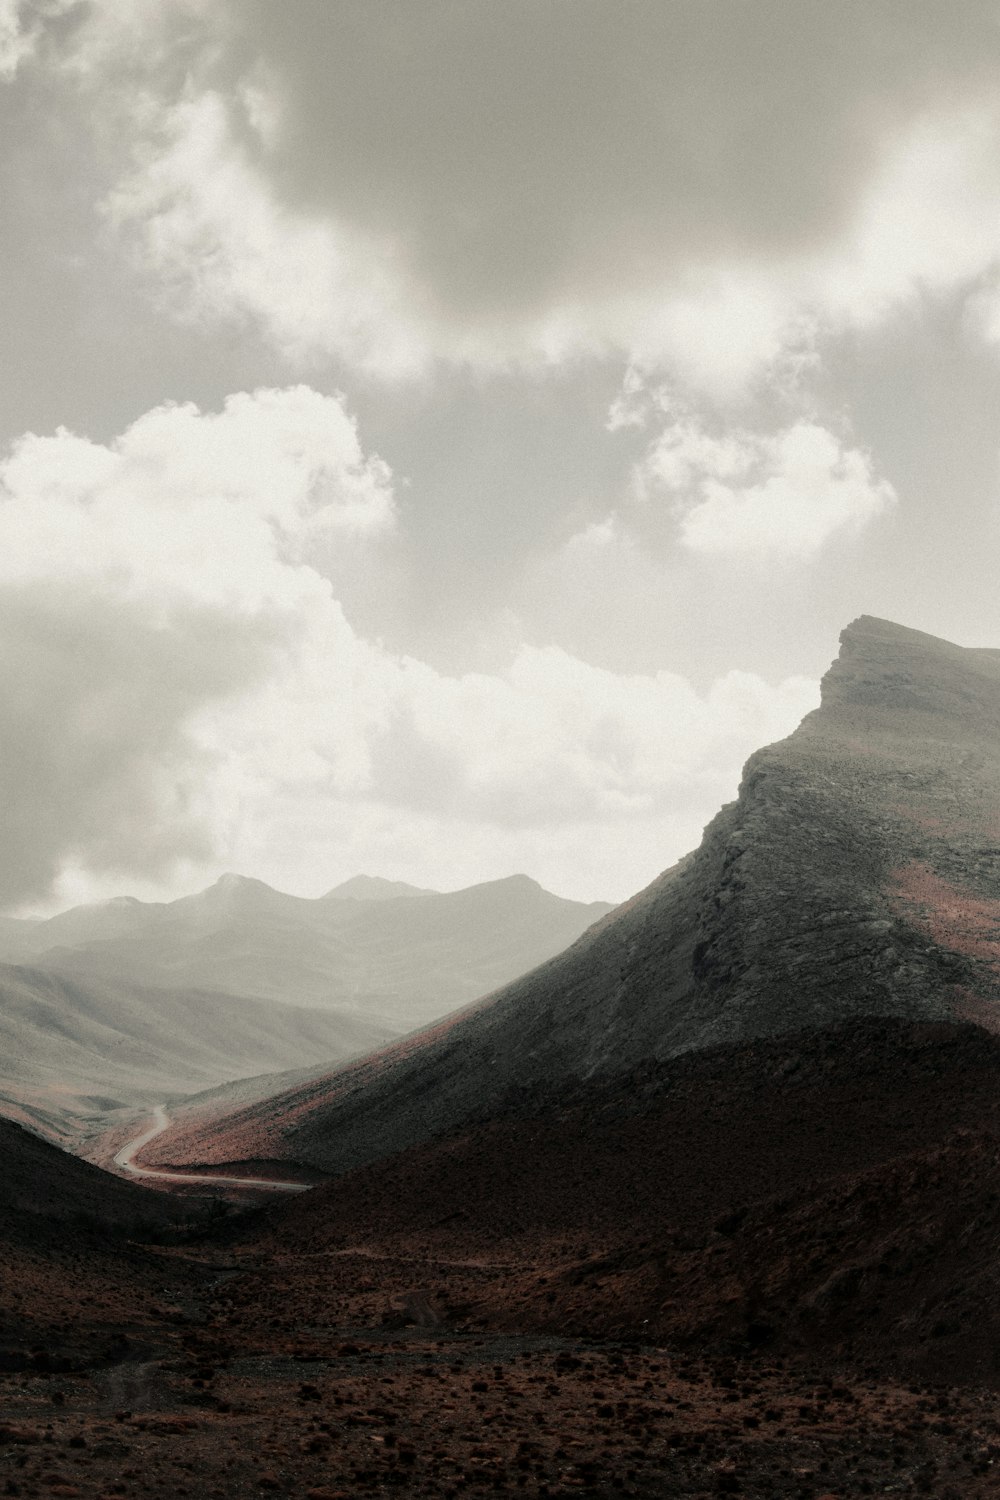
[857,875]
[374,888]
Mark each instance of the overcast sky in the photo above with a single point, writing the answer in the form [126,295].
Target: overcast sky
[442,438]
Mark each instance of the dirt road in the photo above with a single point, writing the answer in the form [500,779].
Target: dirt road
[161,1122]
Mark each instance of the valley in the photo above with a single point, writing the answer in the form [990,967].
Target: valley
[499,750]
[704,1203]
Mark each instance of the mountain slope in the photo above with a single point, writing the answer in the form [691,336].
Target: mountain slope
[42,1184]
[70,1050]
[856,875]
[834,1192]
[79,1292]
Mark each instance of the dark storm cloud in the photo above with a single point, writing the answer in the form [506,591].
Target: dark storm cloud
[519,154]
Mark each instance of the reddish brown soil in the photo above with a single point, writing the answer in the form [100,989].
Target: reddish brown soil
[767,1271]
[950,915]
[822,1195]
[445,1417]
[76,1284]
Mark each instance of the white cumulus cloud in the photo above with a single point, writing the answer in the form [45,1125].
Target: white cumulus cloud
[139,582]
[183,689]
[784,494]
[199,215]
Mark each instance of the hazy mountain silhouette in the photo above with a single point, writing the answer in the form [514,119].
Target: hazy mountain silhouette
[369,946]
[374,888]
[124,1001]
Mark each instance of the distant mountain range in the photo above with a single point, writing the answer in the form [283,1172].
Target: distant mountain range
[128,1001]
[376,947]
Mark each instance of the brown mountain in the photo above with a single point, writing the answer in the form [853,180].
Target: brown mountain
[857,875]
[76,1287]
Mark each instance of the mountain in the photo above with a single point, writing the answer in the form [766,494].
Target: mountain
[828,1196]
[714,1212]
[374,888]
[373,1337]
[855,876]
[753,1116]
[43,1186]
[369,948]
[16,936]
[123,1001]
[81,1298]
[98,922]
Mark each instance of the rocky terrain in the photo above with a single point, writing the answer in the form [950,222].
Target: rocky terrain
[763,1271]
[76,1280]
[432,1413]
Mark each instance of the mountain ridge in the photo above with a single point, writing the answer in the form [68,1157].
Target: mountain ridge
[810,901]
[374,888]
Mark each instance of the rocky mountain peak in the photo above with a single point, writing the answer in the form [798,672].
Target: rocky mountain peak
[892,680]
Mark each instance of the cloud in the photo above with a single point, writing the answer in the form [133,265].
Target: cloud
[925,222]
[22,24]
[199,216]
[98,764]
[547,744]
[15,43]
[781,495]
[139,582]
[556,740]
[393,185]
[591,780]
[182,688]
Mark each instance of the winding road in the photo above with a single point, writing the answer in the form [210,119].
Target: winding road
[161,1122]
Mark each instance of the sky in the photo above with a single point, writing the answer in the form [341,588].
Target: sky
[444,439]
